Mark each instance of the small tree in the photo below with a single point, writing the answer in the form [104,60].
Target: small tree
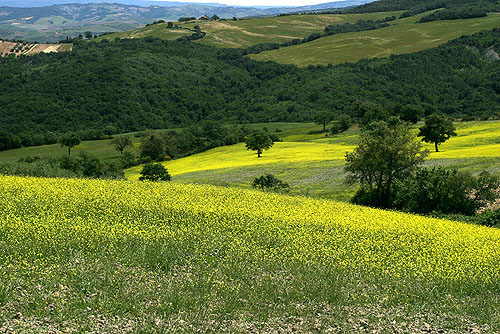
[154,172]
[153,146]
[258,141]
[121,143]
[387,152]
[88,34]
[323,118]
[437,129]
[69,141]
[170,25]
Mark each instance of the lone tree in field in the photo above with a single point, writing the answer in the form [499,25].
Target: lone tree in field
[323,118]
[154,172]
[258,141]
[387,152]
[69,141]
[437,129]
[121,143]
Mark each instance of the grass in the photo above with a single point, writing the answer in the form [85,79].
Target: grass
[403,37]
[247,32]
[117,256]
[313,164]
[157,30]
[101,149]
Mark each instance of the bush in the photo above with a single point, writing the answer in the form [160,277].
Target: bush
[127,160]
[489,218]
[154,172]
[270,182]
[445,191]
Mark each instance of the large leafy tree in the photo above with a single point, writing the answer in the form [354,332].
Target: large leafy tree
[153,146]
[437,129]
[388,151]
[258,141]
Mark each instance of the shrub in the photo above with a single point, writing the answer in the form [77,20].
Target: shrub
[489,218]
[127,160]
[154,172]
[445,191]
[270,182]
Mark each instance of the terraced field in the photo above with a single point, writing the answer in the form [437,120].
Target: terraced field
[117,256]
[404,36]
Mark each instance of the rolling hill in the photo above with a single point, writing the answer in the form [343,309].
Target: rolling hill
[247,32]
[404,36]
[313,165]
[55,22]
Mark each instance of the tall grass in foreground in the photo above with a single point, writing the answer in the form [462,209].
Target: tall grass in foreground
[111,256]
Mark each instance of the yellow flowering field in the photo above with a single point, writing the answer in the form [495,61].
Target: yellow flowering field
[95,256]
[237,156]
[41,217]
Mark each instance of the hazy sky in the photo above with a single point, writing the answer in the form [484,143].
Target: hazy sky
[253,3]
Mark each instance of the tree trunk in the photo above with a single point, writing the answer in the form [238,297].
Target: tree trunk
[259,152]
[324,127]
[69,151]
[436,144]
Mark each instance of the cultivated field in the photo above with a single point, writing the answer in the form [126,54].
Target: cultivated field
[123,257]
[7,48]
[404,36]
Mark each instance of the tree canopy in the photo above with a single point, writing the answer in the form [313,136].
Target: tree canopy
[387,151]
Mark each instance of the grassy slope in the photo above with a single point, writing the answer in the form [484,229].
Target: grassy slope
[247,32]
[115,257]
[313,165]
[156,30]
[403,37]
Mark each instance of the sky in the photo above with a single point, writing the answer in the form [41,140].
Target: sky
[267,3]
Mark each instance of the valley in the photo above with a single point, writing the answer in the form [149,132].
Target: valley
[308,169]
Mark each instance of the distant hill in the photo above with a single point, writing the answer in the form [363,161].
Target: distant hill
[52,23]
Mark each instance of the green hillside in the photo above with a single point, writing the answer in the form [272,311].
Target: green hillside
[247,32]
[134,84]
[115,257]
[404,37]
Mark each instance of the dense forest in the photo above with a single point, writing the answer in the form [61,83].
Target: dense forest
[136,84]
[420,6]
